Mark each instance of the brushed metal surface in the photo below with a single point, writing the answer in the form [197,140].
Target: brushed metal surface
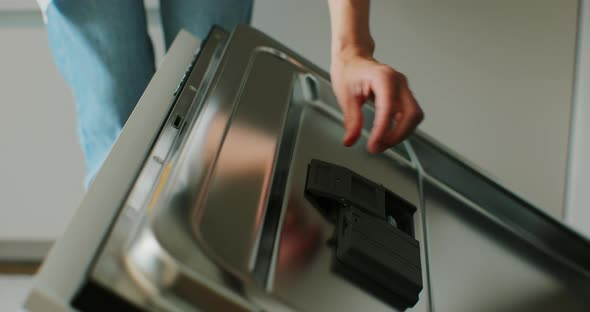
[477,265]
[502,206]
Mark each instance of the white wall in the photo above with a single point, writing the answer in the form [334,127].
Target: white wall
[494,78]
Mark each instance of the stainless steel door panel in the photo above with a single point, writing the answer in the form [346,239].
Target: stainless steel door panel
[476,265]
[230,222]
[502,206]
[222,184]
[217,218]
[119,267]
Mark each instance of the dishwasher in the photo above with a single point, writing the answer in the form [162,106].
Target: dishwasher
[229,190]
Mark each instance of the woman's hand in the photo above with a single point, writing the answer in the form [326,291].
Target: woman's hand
[357,78]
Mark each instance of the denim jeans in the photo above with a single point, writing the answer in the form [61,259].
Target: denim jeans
[103,51]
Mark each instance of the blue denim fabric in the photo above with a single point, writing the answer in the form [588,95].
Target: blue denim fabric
[103,51]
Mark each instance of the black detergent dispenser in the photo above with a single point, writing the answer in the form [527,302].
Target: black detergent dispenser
[375,247]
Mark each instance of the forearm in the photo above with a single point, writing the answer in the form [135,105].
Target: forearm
[350,28]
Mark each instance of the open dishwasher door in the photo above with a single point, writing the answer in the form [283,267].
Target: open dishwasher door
[230,191]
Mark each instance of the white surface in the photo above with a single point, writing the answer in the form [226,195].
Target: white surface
[578,192]
[13,292]
[494,77]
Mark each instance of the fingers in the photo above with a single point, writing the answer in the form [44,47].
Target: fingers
[353,119]
[359,79]
[406,120]
[393,101]
[386,90]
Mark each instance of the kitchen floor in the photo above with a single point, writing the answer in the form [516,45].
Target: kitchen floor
[13,291]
